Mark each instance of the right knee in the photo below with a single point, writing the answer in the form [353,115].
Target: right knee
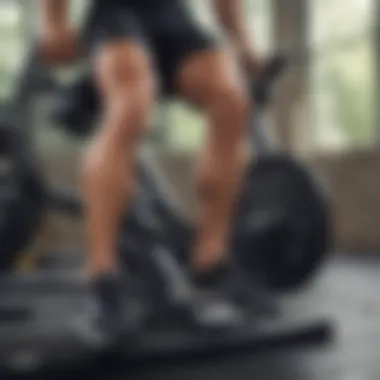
[126,81]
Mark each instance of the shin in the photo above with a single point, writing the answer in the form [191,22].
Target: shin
[211,81]
[126,85]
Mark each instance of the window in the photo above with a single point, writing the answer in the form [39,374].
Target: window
[343,73]
[12,44]
[258,19]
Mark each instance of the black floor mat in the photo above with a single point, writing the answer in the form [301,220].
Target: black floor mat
[348,291]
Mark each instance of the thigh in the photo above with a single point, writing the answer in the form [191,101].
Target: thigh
[208,75]
[114,38]
[175,36]
[123,69]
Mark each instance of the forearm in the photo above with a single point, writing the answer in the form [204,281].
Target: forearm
[230,16]
[54,12]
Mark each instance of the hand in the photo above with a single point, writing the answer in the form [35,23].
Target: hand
[59,45]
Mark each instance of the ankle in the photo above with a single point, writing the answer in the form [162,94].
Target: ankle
[207,263]
[101,271]
[108,290]
[210,275]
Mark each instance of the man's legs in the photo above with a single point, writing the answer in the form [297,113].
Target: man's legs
[125,80]
[211,79]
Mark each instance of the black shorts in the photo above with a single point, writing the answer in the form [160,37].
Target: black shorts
[166,27]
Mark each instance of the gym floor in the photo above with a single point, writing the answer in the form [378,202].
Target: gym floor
[348,291]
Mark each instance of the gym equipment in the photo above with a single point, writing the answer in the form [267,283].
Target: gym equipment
[283,216]
[37,311]
[21,198]
[43,337]
[24,196]
[286,217]
[281,226]
[293,233]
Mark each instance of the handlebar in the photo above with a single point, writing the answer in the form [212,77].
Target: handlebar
[261,95]
[262,86]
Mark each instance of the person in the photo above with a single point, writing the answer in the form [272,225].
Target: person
[136,48]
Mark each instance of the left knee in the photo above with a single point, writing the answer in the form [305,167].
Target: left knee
[229,107]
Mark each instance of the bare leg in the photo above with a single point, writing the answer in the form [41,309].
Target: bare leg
[125,81]
[211,80]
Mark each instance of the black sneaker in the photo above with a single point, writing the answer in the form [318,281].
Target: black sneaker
[194,303]
[247,291]
[228,297]
[108,293]
[106,317]
[212,307]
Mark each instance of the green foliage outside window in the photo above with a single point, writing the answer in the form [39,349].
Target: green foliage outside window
[343,73]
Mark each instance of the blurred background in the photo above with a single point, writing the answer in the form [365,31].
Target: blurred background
[326,108]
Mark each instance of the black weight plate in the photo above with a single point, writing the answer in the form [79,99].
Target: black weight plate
[21,198]
[284,222]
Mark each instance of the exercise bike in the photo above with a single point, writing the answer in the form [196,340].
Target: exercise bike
[283,212]
[34,307]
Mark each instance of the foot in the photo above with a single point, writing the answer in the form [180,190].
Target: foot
[213,307]
[246,291]
[229,298]
[108,294]
[105,319]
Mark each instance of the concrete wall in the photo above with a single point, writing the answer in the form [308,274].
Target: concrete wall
[352,180]
[353,183]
